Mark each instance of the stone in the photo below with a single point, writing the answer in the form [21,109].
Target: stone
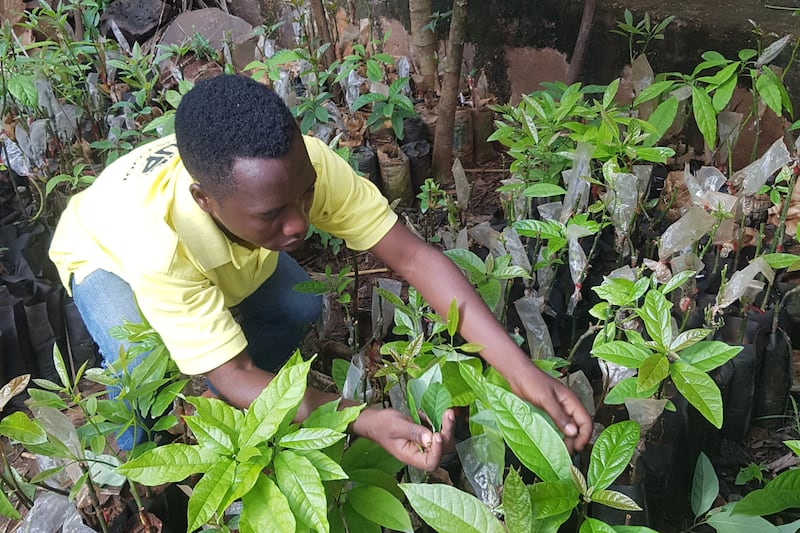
[137,19]
[216,27]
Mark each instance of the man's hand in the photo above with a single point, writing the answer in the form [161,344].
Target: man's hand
[411,443]
[549,394]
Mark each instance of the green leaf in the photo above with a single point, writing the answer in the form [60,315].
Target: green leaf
[544,190]
[311,439]
[466,260]
[689,338]
[356,522]
[210,435]
[653,371]
[278,401]
[19,427]
[699,389]
[616,291]
[662,118]
[658,154]
[655,313]
[552,498]
[727,521]
[7,509]
[225,417]
[366,453]
[611,453]
[490,290]
[330,416]
[677,281]
[723,93]
[627,388]
[329,470]
[705,486]
[780,494]
[300,482]
[517,503]
[778,260]
[209,495]
[708,355]
[449,510]
[622,353]
[452,318]
[265,508]
[654,90]
[610,93]
[23,90]
[705,116]
[768,90]
[380,506]
[616,500]
[366,99]
[593,525]
[435,401]
[529,434]
[168,464]
[378,478]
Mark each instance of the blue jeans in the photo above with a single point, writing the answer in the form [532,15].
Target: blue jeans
[274,319]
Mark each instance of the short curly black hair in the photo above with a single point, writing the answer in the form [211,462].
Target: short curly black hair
[226,118]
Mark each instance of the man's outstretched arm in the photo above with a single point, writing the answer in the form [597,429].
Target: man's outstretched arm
[439,281]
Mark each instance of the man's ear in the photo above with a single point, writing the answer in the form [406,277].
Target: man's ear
[202,198]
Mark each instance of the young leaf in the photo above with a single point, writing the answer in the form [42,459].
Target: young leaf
[209,495]
[622,353]
[300,482]
[379,506]
[699,389]
[6,508]
[553,498]
[452,318]
[275,403]
[653,371]
[210,435]
[19,427]
[435,401]
[689,338]
[330,416]
[708,355]
[311,439]
[704,115]
[449,510]
[265,508]
[467,261]
[224,416]
[727,521]
[530,435]
[657,318]
[780,494]
[168,464]
[544,190]
[705,486]
[616,500]
[626,389]
[328,469]
[779,260]
[517,504]
[593,525]
[677,281]
[611,453]
[768,90]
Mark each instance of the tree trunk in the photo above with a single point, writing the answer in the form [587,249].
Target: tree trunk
[324,32]
[424,43]
[443,142]
[578,54]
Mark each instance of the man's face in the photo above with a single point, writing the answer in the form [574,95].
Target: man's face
[270,203]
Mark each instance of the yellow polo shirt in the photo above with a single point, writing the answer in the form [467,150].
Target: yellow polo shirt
[139,221]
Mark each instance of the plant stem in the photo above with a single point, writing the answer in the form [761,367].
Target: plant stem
[92,490]
[586,334]
[143,516]
[12,482]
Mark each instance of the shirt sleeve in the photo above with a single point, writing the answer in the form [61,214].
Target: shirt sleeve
[345,204]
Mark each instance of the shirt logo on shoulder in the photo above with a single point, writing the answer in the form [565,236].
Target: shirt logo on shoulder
[159,157]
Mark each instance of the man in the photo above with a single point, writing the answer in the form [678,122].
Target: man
[199,225]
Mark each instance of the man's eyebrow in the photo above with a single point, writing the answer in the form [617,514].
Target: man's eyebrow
[272,212]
